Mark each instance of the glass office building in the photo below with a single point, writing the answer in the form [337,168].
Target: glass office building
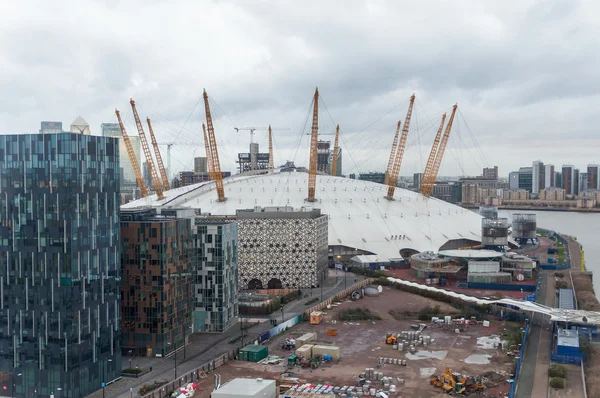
[59,264]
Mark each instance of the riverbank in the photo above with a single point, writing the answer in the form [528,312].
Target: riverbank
[535,208]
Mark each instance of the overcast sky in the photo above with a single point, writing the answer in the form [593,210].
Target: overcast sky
[525,75]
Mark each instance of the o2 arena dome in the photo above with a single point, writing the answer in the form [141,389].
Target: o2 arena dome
[360,217]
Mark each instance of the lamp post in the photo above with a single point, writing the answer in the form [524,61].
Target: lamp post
[130,353]
[14,384]
[175,345]
[282,314]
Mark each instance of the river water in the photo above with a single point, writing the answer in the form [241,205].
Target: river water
[585,226]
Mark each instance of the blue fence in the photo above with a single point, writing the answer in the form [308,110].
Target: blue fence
[513,388]
[501,286]
[279,328]
[555,267]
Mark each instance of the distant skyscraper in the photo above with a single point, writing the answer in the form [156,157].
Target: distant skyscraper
[200,165]
[549,176]
[59,264]
[417,180]
[526,178]
[51,128]
[80,126]
[576,182]
[583,182]
[338,171]
[490,172]
[513,180]
[568,179]
[114,130]
[537,177]
[147,176]
[593,176]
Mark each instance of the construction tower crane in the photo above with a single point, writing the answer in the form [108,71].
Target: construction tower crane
[161,167]
[440,153]
[170,144]
[208,155]
[216,166]
[147,154]
[393,180]
[253,129]
[431,159]
[271,161]
[314,138]
[392,154]
[334,161]
[132,158]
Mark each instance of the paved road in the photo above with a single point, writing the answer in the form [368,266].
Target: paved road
[204,347]
[533,380]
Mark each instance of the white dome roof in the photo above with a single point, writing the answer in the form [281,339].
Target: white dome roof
[359,215]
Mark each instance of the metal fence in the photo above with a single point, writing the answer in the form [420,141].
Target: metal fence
[513,388]
[201,372]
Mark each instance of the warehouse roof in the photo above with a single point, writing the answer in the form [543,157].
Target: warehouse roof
[359,215]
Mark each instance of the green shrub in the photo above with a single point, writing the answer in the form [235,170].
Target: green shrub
[585,346]
[312,301]
[146,388]
[561,285]
[557,382]
[288,298]
[557,371]
[358,314]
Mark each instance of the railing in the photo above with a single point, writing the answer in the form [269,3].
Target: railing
[513,388]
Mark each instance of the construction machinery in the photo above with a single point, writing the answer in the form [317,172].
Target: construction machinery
[395,172]
[429,182]
[456,384]
[391,338]
[336,147]
[392,154]
[431,159]
[271,161]
[134,163]
[161,167]
[169,145]
[215,166]
[155,181]
[314,138]
[208,154]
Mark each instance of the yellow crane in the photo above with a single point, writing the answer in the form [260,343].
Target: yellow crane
[334,161]
[271,161]
[214,154]
[208,155]
[132,158]
[392,155]
[147,154]
[431,159]
[440,153]
[400,152]
[314,138]
[161,167]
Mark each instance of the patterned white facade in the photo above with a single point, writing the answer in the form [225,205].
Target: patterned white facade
[282,249]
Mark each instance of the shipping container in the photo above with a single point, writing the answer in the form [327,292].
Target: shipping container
[490,277]
[484,266]
[332,351]
[316,317]
[305,338]
[305,351]
[254,353]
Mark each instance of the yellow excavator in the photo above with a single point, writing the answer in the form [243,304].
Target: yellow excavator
[448,383]
[391,338]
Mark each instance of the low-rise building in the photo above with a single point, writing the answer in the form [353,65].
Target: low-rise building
[515,194]
[552,193]
[282,247]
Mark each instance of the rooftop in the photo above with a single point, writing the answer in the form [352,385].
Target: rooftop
[248,387]
[359,215]
[471,253]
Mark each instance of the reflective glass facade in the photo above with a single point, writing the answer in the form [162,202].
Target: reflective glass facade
[59,264]
[157,280]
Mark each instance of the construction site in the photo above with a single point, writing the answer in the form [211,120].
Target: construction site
[390,351]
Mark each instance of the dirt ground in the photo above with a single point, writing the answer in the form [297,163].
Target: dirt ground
[363,343]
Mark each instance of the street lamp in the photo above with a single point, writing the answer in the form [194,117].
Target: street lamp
[130,352]
[175,345]
[185,338]
[14,384]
